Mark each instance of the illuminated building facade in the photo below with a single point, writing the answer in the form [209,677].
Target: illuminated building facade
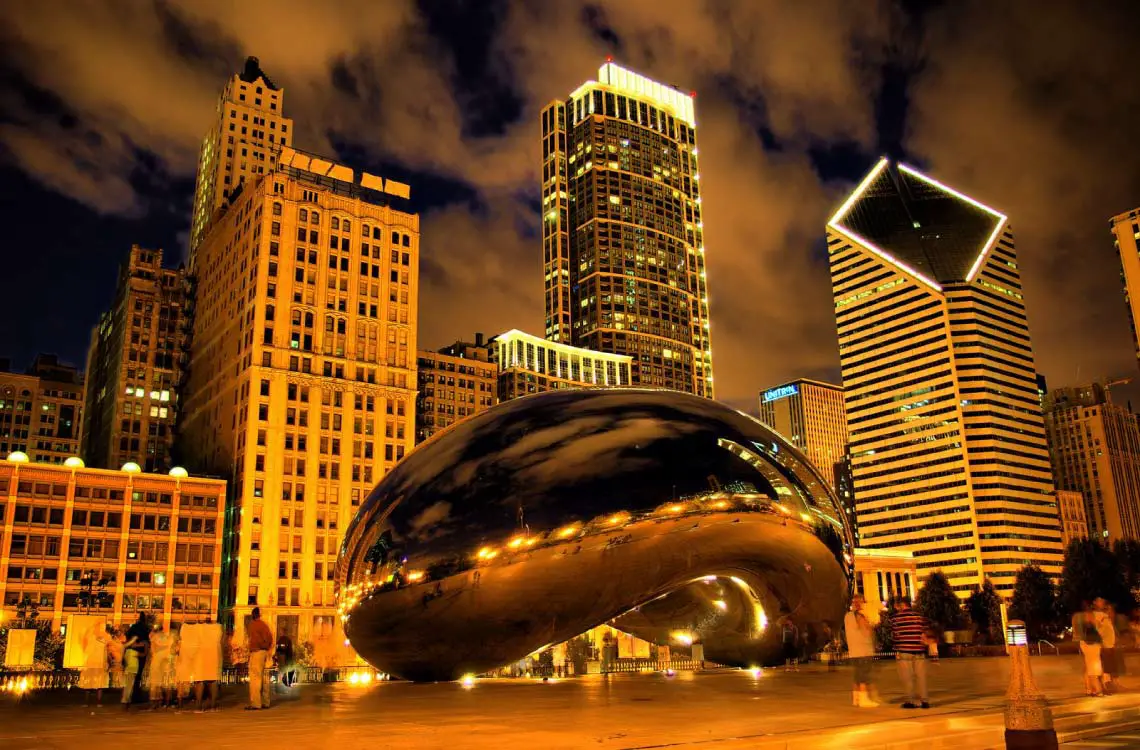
[623,240]
[301,383]
[455,382]
[810,414]
[248,132]
[134,367]
[948,451]
[1095,448]
[1125,230]
[154,539]
[41,411]
[528,364]
[1074,524]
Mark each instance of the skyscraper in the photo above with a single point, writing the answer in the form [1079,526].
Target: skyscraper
[946,436]
[134,367]
[1095,448]
[1125,230]
[301,385]
[248,132]
[810,414]
[623,241]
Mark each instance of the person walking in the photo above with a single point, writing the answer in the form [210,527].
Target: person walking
[861,652]
[1105,619]
[790,636]
[908,630]
[284,659]
[1087,636]
[260,646]
[134,653]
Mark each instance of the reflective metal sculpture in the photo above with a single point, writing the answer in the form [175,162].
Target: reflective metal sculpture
[674,517]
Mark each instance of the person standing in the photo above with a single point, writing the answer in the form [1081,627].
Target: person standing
[790,636]
[908,630]
[861,652]
[260,646]
[1087,636]
[134,653]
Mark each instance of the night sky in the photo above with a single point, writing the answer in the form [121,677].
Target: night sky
[1029,107]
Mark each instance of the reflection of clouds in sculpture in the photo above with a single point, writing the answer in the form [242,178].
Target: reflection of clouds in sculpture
[421,527]
[598,449]
[542,517]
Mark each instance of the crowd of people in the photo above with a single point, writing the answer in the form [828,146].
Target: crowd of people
[179,664]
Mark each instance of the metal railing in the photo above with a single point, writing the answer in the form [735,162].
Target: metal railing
[1041,643]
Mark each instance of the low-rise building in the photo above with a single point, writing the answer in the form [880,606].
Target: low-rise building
[881,575]
[529,364]
[1071,506]
[454,383]
[41,410]
[113,542]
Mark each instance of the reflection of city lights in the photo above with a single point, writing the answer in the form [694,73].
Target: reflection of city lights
[531,541]
[515,543]
[756,671]
[615,519]
[415,575]
[720,604]
[682,637]
[720,504]
[468,680]
[675,508]
[805,516]
[669,672]
[354,678]
[568,531]
[709,579]
[487,553]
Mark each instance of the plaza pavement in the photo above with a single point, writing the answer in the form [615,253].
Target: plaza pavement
[717,710]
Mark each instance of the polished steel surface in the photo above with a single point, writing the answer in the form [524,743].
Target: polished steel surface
[674,517]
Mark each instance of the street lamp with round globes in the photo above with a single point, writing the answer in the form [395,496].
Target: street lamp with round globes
[74,462]
[18,457]
[131,467]
[179,473]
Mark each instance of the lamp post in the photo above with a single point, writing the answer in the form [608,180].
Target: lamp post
[1028,720]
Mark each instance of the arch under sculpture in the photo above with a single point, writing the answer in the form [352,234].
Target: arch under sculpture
[545,516]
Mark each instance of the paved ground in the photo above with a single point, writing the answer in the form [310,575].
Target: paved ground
[707,710]
[1115,741]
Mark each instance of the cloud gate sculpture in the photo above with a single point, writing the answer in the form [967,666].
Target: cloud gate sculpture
[658,512]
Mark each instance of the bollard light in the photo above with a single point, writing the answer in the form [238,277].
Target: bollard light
[1015,634]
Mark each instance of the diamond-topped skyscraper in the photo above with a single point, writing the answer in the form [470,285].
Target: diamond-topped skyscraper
[623,241]
[947,441]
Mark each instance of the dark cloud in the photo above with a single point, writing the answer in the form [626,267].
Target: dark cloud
[1027,108]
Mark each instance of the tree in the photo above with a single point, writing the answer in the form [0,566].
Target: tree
[1091,570]
[1127,552]
[937,602]
[1035,601]
[984,608]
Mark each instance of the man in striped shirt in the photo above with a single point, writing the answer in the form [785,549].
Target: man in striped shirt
[908,629]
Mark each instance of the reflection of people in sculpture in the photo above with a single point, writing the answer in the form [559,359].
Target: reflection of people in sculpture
[93,677]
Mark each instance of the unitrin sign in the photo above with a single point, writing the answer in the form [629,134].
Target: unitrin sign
[778,393]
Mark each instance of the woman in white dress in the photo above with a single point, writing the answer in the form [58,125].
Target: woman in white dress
[160,667]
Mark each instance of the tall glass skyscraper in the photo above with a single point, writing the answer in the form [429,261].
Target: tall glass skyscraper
[623,242]
[947,442]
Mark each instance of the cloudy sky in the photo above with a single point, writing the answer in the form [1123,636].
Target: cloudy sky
[1025,106]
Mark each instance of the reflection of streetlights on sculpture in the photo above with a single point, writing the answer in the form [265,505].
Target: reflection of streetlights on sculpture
[1028,720]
